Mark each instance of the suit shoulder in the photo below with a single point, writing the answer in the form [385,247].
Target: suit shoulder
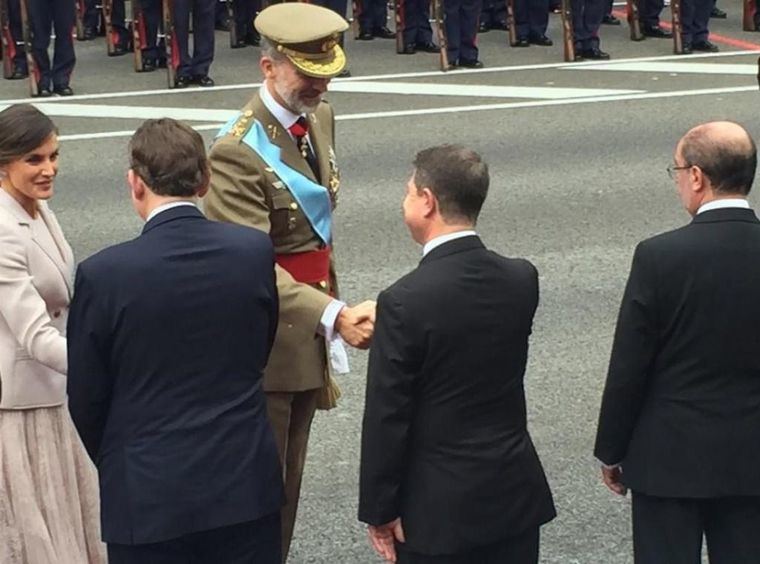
[667,239]
[105,259]
[242,233]
[518,264]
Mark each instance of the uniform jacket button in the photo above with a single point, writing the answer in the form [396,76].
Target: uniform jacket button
[323,284]
[293,206]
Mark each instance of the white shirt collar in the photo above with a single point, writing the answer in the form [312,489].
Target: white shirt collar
[441,239]
[170,205]
[724,203]
[280,113]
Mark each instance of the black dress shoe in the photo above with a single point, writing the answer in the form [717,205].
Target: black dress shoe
[383,33]
[222,26]
[118,50]
[408,50]
[541,40]
[43,93]
[148,65]
[686,49]
[655,31]
[253,38]
[365,35]
[18,73]
[63,90]
[501,24]
[521,42]
[595,54]
[239,44]
[89,33]
[428,47]
[705,46]
[182,82]
[609,19]
[203,80]
[483,27]
[718,13]
[470,64]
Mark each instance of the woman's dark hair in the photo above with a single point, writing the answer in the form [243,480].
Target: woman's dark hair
[23,128]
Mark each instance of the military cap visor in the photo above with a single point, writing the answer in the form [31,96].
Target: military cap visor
[307,35]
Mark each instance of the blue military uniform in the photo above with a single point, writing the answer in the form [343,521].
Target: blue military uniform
[20,69]
[461,22]
[245,11]
[195,67]
[46,16]
[587,17]
[532,19]
[415,18]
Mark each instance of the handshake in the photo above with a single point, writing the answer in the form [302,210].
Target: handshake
[357,324]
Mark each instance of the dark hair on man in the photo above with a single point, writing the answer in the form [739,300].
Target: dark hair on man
[458,178]
[170,157]
[23,128]
[729,163]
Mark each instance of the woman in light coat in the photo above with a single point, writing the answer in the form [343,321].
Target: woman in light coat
[48,485]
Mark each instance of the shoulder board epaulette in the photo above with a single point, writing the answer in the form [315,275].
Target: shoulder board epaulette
[237,126]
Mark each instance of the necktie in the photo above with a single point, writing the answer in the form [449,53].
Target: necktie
[299,130]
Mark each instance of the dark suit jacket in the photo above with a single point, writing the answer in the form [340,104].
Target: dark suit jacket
[445,444]
[168,337]
[681,408]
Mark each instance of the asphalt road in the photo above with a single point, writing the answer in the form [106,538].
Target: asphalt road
[578,178]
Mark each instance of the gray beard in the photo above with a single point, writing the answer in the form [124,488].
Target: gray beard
[293,102]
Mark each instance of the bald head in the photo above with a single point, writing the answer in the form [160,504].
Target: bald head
[725,153]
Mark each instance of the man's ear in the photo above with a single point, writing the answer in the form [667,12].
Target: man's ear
[698,180]
[136,185]
[430,202]
[267,67]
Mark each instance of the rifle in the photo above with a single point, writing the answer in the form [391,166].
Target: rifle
[170,42]
[675,7]
[26,33]
[232,22]
[511,25]
[112,36]
[139,34]
[79,9]
[440,31]
[632,15]
[357,8]
[399,6]
[748,15]
[566,11]
[7,43]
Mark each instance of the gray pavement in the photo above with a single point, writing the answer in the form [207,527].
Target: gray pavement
[574,187]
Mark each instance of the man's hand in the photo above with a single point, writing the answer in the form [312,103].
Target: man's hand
[356,324]
[611,479]
[384,537]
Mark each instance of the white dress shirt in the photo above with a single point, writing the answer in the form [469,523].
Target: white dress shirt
[441,239]
[724,203]
[170,205]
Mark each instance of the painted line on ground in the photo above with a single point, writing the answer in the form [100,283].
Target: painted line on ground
[424,74]
[681,68]
[480,108]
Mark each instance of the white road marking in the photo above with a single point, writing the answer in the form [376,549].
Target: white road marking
[134,112]
[474,90]
[479,108]
[678,68]
[253,85]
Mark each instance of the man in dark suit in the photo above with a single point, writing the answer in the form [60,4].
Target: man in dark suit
[167,340]
[449,474]
[680,416]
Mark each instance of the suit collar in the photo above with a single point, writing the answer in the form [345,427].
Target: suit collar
[460,245]
[289,153]
[726,214]
[172,214]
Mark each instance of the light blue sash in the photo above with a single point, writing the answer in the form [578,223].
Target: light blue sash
[312,197]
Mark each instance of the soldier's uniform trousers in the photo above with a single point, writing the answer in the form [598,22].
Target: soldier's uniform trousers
[415,18]
[531,18]
[587,17]
[461,23]
[374,15]
[203,36]
[14,23]
[46,16]
[695,15]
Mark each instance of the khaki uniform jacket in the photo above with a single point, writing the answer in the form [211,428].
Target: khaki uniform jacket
[244,190]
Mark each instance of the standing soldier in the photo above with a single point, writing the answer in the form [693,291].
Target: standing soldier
[20,69]
[154,52]
[493,15]
[587,17]
[373,21]
[274,168]
[245,12]
[46,16]
[461,23]
[531,20]
[695,16]
[193,69]
[417,33]
[120,36]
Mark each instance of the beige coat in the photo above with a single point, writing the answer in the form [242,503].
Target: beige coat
[245,191]
[35,291]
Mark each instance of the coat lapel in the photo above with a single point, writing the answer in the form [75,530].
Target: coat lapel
[61,254]
[290,153]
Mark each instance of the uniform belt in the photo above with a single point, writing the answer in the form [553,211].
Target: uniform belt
[311,267]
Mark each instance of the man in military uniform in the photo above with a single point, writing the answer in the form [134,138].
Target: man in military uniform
[193,69]
[587,17]
[273,168]
[17,52]
[46,16]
